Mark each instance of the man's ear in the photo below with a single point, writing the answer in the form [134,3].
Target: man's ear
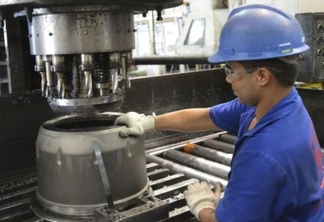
[263,76]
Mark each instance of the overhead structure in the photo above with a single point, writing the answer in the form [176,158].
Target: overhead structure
[82,49]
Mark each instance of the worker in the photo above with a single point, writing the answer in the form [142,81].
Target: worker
[277,167]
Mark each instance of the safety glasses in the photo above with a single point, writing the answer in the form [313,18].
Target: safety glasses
[234,75]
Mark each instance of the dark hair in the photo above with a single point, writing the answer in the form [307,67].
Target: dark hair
[285,73]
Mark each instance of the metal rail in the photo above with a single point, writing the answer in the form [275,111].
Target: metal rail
[177,168]
[161,149]
[170,60]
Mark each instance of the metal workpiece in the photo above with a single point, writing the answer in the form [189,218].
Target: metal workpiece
[192,173]
[69,179]
[207,166]
[208,153]
[219,145]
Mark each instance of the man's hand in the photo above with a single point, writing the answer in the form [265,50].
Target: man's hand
[199,196]
[137,124]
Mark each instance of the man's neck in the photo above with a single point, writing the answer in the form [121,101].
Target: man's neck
[269,100]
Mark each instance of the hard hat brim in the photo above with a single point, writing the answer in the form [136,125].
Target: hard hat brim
[218,58]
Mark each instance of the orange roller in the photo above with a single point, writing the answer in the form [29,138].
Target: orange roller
[189,147]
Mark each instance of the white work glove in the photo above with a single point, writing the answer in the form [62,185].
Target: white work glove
[199,196]
[137,124]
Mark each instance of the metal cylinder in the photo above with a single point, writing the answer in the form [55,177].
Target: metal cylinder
[69,179]
[178,168]
[210,154]
[219,145]
[228,138]
[87,59]
[198,163]
[89,30]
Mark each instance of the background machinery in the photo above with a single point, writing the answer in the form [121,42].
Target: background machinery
[74,57]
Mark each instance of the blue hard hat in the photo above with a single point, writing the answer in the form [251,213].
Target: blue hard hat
[258,31]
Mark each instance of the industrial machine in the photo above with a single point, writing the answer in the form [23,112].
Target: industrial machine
[73,57]
[82,50]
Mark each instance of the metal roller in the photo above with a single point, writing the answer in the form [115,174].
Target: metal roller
[198,163]
[228,138]
[210,154]
[219,145]
[192,173]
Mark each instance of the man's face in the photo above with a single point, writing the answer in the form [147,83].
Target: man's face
[243,83]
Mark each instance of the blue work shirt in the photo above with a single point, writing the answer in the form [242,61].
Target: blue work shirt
[277,168]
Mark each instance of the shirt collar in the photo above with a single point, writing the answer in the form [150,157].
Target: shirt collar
[281,109]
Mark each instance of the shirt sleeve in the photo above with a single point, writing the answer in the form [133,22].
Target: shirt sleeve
[259,190]
[227,115]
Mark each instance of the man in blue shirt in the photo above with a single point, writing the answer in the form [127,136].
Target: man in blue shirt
[277,171]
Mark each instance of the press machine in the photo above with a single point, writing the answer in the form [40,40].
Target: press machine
[81,56]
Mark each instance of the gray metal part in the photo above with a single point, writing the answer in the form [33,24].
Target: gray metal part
[157,60]
[219,145]
[190,172]
[207,166]
[66,163]
[105,179]
[214,155]
[311,68]
[44,214]
[83,32]
[228,138]
[151,209]
[86,105]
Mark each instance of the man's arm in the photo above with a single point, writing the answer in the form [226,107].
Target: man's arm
[186,120]
[207,215]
